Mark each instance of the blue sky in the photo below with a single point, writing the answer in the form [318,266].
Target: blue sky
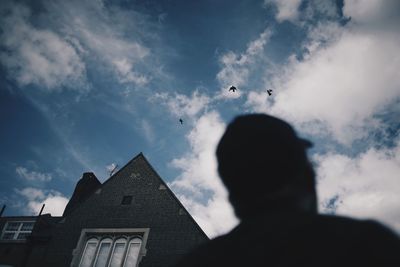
[86,85]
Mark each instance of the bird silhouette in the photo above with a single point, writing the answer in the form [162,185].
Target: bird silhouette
[232,88]
[181,121]
[269,92]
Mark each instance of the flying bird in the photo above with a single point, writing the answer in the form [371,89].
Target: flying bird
[232,88]
[181,121]
[269,92]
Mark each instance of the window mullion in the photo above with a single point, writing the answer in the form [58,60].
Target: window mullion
[19,229]
[16,232]
[97,252]
[125,252]
[128,244]
[103,243]
[111,251]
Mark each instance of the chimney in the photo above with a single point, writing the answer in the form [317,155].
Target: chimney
[84,188]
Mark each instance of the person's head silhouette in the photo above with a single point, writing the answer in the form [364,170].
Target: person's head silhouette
[271,184]
[263,164]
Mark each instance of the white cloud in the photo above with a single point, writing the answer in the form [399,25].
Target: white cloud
[33,175]
[108,34]
[198,186]
[258,102]
[54,201]
[302,13]
[318,10]
[31,193]
[375,14]
[124,69]
[236,68]
[72,36]
[286,9]
[343,81]
[182,105]
[37,56]
[367,186]
[340,86]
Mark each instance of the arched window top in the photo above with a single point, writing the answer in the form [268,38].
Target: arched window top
[136,240]
[106,239]
[107,249]
[118,252]
[89,252]
[120,240]
[133,251]
[102,252]
[92,239]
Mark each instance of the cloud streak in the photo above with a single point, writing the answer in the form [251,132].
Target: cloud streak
[58,48]
[37,56]
[103,33]
[33,175]
[183,105]
[285,9]
[236,68]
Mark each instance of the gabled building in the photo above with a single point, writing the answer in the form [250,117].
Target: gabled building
[132,219]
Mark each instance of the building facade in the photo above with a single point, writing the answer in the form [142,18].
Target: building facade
[132,219]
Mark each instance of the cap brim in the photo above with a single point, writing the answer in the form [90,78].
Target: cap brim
[306,143]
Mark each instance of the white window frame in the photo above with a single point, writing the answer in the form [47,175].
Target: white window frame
[16,232]
[103,241]
[90,240]
[114,234]
[128,247]
[116,241]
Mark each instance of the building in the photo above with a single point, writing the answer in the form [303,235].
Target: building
[132,219]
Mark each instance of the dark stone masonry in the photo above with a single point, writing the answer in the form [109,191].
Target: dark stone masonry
[132,219]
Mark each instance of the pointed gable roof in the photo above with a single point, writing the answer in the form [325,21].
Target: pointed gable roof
[139,180]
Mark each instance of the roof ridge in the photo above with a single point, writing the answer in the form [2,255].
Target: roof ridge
[102,184]
[175,197]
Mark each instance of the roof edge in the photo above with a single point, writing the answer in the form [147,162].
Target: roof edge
[175,197]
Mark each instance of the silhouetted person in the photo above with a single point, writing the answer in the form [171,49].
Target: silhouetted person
[271,186]
[181,121]
[232,88]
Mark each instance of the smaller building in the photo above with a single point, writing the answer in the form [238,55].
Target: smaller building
[132,219]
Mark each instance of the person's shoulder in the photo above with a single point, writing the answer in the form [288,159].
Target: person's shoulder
[361,225]
[370,237]
[381,233]
[207,254]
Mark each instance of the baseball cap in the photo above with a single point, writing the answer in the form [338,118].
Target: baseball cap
[260,152]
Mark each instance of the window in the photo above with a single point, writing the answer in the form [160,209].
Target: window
[133,252]
[126,200]
[89,253]
[103,252]
[104,249]
[111,251]
[109,247]
[17,230]
[117,255]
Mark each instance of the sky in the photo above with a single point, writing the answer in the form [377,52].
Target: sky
[87,85]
